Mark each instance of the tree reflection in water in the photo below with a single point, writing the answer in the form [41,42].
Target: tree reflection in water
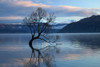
[43,57]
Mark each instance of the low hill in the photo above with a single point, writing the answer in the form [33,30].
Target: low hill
[86,25]
[20,28]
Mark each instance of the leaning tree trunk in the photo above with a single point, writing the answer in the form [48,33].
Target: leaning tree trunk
[30,45]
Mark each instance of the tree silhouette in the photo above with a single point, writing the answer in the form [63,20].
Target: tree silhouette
[36,24]
[39,24]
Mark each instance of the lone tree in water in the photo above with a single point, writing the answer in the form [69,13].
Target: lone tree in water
[37,26]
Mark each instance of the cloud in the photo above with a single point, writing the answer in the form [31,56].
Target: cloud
[15,9]
[11,18]
[25,3]
[75,11]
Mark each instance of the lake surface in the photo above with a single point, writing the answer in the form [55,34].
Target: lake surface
[69,50]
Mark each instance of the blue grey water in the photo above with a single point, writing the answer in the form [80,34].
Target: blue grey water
[73,50]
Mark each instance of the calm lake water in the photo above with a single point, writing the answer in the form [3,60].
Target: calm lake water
[72,50]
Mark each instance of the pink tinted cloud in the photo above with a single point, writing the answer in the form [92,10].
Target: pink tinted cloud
[29,4]
[11,18]
[59,10]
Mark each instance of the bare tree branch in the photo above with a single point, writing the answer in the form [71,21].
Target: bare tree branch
[36,23]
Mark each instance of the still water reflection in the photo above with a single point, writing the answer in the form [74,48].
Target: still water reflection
[74,50]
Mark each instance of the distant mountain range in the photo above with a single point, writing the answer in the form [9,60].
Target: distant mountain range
[86,25]
[21,28]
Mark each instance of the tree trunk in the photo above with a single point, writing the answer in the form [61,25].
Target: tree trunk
[30,44]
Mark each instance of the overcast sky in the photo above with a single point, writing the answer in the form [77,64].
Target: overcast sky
[12,11]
